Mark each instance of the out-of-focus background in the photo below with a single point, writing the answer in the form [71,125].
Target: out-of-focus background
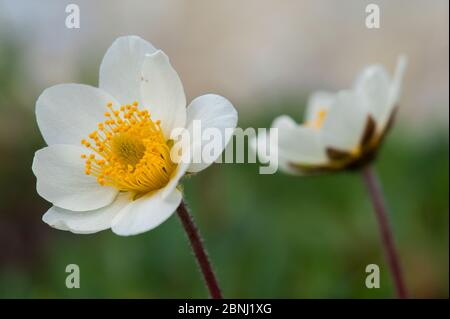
[268,235]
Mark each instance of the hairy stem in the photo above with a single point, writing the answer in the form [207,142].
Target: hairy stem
[199,251]
[374,189]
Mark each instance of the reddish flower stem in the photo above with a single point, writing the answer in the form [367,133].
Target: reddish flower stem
[199,251]
[374,189]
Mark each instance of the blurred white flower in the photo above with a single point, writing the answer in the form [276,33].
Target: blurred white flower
[342,130]
[121,176]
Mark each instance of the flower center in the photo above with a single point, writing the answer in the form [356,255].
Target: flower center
[129,151]
[318,121]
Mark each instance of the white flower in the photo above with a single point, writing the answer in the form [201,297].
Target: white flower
[121,176]
[342,130]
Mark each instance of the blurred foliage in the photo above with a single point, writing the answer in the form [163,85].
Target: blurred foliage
[267,235]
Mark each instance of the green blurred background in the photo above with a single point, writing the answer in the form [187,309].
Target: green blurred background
[267,235]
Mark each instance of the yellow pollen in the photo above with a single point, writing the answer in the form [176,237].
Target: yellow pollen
[129,151]
[318,121]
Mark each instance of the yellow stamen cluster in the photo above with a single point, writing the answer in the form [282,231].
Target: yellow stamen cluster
[318,121]
[129,151]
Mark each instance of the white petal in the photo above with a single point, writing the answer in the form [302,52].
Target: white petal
[162,92]
[288,167]
[284,121]
[262,147]
[61,179]
[345,122]
[373,84]
[394,92]
[120,70]
[297,143]
[396,84]
[146,213]
[87,222]
[67,113]
[318,101]
[212,112]
[301,145]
